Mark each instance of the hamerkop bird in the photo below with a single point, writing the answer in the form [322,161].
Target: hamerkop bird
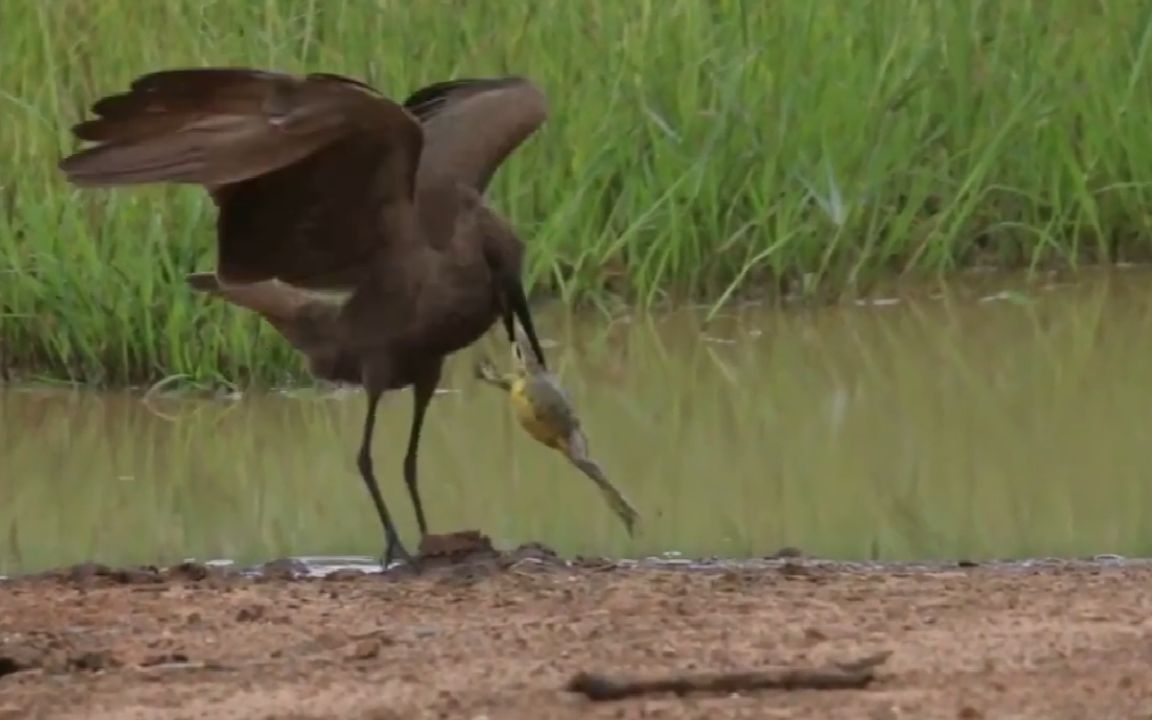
[325,187]
[545,411]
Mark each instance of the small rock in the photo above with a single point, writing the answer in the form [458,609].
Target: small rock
[534,551]
[794,569]
[365,650]
[594,563]
[251,613]
[82,572]
[92,661]
[15,658]
[137,576]
[345,575]
[189,570]
[788,551]
[884,712]
[455,545]
[164,659]
[283,569]
[12,712]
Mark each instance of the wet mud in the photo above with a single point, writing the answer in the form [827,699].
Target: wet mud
[483,633]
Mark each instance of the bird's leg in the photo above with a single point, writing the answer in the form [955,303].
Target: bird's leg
[516,305]
[422,389]
[393,548]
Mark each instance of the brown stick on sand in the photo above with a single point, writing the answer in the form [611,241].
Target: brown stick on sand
[840,676]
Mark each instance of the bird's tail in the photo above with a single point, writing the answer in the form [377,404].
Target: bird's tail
[273,299]
[305,317]
[577,452]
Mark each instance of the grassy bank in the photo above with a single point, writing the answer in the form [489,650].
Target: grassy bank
[696,147]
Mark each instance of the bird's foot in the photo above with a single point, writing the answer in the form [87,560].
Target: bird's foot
[394,550]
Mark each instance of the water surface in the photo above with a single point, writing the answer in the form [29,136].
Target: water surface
[986,420]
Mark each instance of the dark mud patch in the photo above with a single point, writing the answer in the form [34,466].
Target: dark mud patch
[93,575]
[53,653]
[468,553]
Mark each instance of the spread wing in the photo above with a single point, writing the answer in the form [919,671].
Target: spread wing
[308,172]
[472,125]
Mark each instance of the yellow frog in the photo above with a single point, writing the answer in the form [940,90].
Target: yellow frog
[545,412]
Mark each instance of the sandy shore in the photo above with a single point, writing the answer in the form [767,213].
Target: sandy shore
[501,636]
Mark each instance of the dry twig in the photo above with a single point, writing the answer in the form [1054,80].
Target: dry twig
[848,675]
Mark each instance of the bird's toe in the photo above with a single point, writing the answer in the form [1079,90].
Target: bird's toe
[395,552]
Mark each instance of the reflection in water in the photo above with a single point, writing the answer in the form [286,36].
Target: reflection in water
[943,427]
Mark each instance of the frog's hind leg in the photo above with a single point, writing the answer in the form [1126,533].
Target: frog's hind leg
[576,450]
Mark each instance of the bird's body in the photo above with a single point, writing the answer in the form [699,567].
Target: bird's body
[546,413]
[356,226]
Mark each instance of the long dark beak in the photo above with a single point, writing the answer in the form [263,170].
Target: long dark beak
[516,306]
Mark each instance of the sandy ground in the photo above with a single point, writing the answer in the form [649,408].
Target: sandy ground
[500,636]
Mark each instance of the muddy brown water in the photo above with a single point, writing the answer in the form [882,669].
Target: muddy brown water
[991,419]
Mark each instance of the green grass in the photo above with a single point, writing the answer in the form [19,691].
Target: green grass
[704,148]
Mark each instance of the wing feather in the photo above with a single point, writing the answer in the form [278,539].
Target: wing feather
[301,167]
[472,125]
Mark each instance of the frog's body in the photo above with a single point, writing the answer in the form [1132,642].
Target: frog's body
[545,411]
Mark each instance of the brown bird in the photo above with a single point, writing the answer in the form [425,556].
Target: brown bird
[356,226]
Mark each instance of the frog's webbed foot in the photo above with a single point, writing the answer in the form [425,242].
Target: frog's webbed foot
[484,370]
